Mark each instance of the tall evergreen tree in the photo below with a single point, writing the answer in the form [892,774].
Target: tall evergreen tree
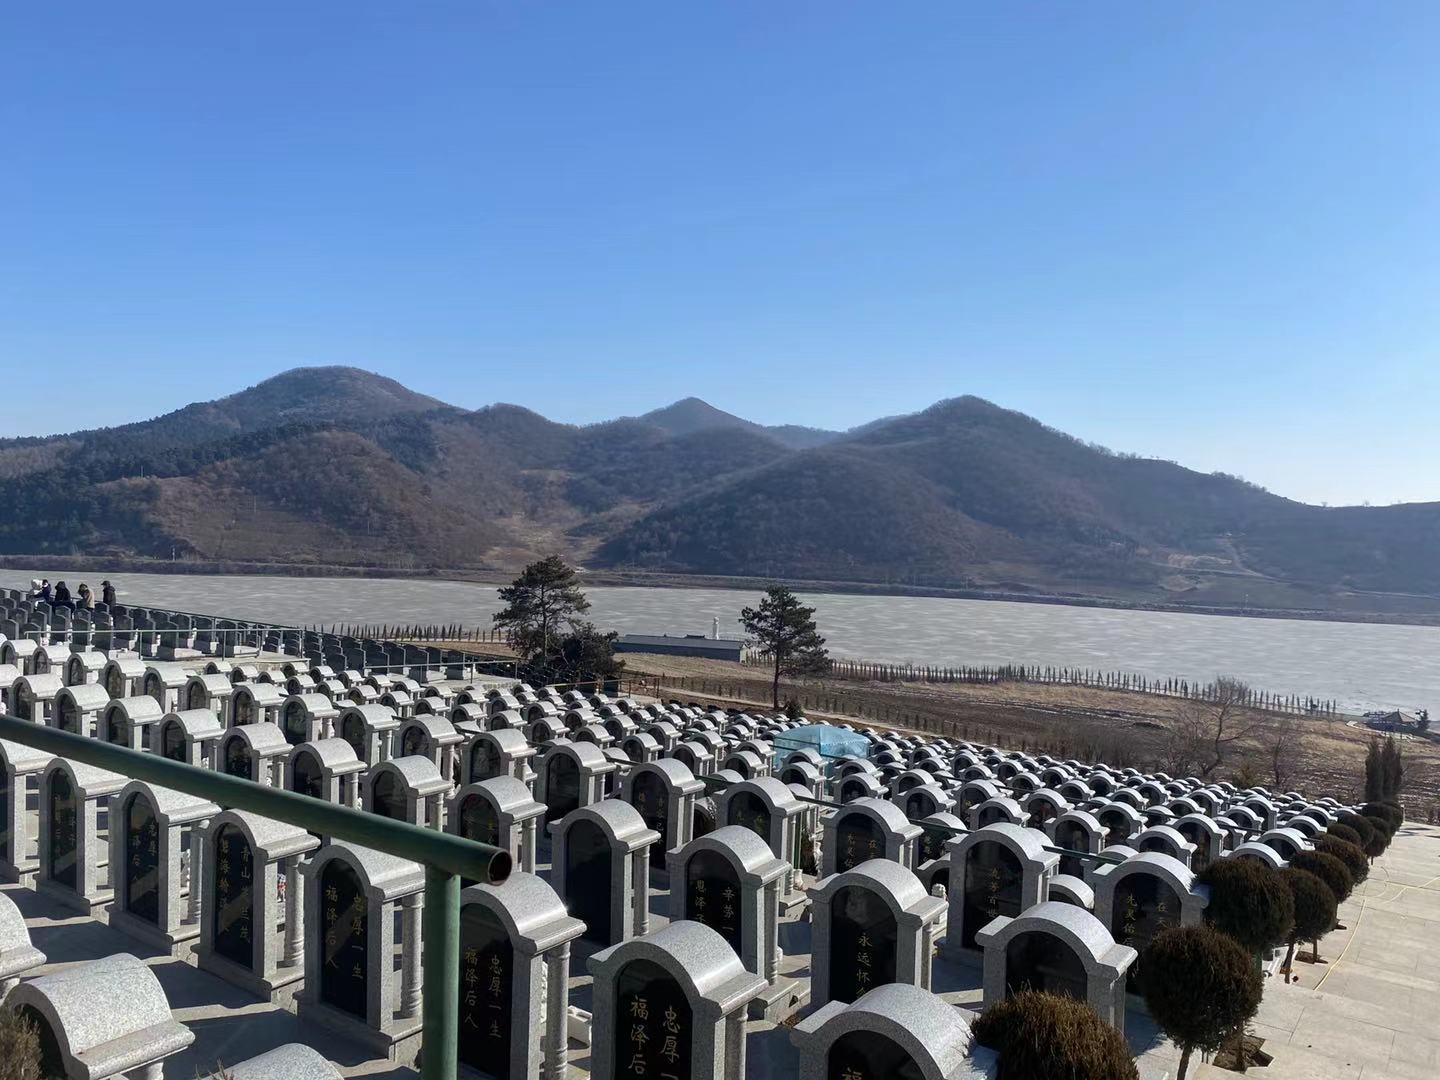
[542,619]
[1374,773]
[784,629]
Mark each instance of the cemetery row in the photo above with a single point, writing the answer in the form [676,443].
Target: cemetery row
[1035,872]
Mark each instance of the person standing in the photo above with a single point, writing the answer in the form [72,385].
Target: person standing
[107,594]
[87,598]
[62,596]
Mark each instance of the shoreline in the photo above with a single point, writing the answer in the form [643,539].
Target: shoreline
[74,564]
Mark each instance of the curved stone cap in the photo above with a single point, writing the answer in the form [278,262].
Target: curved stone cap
[1010,805]
[87,780]
[929,1029]
[17,954]
[528,908]
[1081,930]
[136,1028]
[438,729]
[268,838]
[213,683]
[196,723]
[336,755]
[22,758]
[87,697]
[1293,836]
[730,777]
[389,877]
[1073,889]
[264,739]
[881,876]
[170,674]
[742,848]
[8,672]
[129,666]
[1029,844]
[620,821]
[676,772]
[1204,822]
[505,793]
[694,955]
[142,709]
[315,704]
[1174,872]
[467,712]
[293,1061]
[171,807]
[374,717]
[262,694]
[41,686]
[418,773]
[507,741]
[774,794]
[883,810]
[1165,833]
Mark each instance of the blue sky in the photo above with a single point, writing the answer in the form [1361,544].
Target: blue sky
[1207,232]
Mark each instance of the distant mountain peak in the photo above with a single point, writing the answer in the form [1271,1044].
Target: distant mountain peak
[692,414]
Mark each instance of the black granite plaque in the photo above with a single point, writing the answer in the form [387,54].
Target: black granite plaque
[344,927]
[352,730]
[1117,823]
[588,861]
[483,762]
[562,785]
[414,742]
[487,978]
[5,834]
[386,797]
[651,796]
[234,907]
[172,741]
[993,882]
[64,831]
[142,860]
[117,728]
[1072,837]
[1200,857]
[1041,961]
[115,683]
[292,722]
[654,1024]
[868,1055]
[67,714]
[237,760]
[306,775]
[712,895]
[858,839]
[703,818]
[196,696]
[863,937]
[748,809]
[478,821]
[1143,906]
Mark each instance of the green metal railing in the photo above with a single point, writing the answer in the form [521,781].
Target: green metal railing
[446,858]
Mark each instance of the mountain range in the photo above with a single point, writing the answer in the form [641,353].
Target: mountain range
[337,467]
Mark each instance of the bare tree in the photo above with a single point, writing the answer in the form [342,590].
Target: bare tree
[1282,749]
[1209,726]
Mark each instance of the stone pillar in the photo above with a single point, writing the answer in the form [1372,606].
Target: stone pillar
[557,1008]
[294,913]
[410,956]
[527,846]
[197,858]
[640,889]
[770,949]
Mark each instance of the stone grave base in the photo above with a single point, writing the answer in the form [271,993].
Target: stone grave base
[786,998]
[176,944]
[73,901]
[167,652]
[400,1045]
[23,874]
[793,905]
[278,989]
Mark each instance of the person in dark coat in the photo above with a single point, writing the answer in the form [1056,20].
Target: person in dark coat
[62,595]
[46,592]
[107,594]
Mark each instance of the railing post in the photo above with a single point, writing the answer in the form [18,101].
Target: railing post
[441,1007]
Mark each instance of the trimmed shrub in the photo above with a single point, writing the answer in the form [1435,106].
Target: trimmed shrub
[19,1047]
[1344,832]
[1348,853]
[1200,986]
[1380,837]
[1328,869]
[1314,910]
[1048,1037]
[1249,902]
[1361,826]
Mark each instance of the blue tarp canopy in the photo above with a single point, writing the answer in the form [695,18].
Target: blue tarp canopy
[830,742]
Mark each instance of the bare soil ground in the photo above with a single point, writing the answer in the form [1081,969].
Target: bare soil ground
[1122,728]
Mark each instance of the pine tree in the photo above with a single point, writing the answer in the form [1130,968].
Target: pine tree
[784,629]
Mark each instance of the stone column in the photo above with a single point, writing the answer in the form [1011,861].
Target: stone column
[640,888]
[527,846]
[197,877]
[294,913]
[435,812]
[770,918]
[410,907]
[154,1071]
[557,1013]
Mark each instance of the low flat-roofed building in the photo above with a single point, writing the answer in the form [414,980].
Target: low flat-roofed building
[683,645]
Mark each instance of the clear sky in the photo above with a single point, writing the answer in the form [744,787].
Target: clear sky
[1207,232]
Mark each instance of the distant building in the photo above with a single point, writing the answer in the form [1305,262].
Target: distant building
[686,645]
[1393,721]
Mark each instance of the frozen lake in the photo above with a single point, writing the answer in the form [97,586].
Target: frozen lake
[1360,665]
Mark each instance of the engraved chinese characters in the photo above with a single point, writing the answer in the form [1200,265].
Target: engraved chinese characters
[142,860]
[345,930]
[868,1055]
[863,940]
[234,908]
[652,800]
[487,960]
[992,887]
[654,1024]
[64,831]
[712,895]
[859,840]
